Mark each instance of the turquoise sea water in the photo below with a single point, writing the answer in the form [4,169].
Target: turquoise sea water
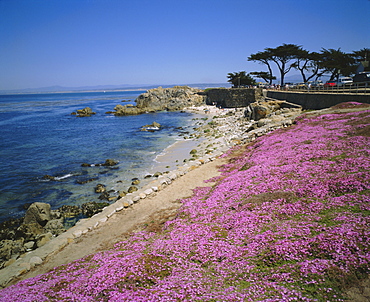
[39,136]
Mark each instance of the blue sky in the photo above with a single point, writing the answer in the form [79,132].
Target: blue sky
[112,42]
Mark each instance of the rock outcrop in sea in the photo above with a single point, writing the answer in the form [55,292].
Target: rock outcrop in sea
[158,99]
[87,111]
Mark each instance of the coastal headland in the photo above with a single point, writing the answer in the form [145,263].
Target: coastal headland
[221,137]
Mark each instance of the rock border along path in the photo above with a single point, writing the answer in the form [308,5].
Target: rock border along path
[233,131]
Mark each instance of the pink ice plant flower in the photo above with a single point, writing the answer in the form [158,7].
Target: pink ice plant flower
[287,221]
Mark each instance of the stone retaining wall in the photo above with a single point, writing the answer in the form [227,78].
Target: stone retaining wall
[233,97]
[242,97]
[317,101]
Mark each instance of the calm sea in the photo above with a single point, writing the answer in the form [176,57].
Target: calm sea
[39,137]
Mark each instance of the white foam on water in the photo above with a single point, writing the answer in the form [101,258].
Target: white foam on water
[64,176]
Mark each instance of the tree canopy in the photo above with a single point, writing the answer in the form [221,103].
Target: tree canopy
[240,79]
[308,64]
[283,56]
[264,58]
[311,65]
[266,76]
[337,63]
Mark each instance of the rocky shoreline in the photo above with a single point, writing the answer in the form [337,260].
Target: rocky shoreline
[158,99]
[219,130]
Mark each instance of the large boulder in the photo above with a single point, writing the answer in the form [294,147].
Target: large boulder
[263,109]
[158,99]
[38,213]
[256,111]
[37,216]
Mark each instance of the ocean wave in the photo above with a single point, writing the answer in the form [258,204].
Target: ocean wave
[63,176]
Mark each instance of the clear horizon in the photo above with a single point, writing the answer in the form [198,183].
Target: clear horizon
[123,87]
[109,42]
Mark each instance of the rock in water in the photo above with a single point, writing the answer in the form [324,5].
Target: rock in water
[135,181]
[68,211]
[110,162]
[132,189]
[84,112]
[153,127]
[100,188]
[104,196]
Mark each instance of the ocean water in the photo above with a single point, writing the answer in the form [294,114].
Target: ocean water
[39,137]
